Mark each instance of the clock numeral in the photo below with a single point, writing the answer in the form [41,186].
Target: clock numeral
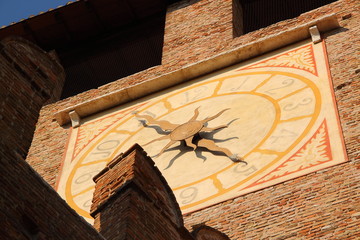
[284,133]
[240,86]
[189,194]
[103,150]
[244,169]
[107,145]
[87,204]
[195,94]
[292,106]
[286,83]
[86,177]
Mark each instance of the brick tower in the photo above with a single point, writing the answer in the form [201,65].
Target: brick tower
[249,111]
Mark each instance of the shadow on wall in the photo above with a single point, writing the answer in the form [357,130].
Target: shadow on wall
[208,233]
[132,199]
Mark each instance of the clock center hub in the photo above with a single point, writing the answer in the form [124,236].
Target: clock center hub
[186,130]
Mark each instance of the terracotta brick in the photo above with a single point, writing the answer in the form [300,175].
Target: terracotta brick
[132,198]
[31,209]
[197,30]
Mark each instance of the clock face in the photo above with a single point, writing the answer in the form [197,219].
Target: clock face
[280,117]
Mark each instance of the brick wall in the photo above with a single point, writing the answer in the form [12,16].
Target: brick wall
[31,209]
[29,78]
[320,205]
[196,28]
[133,201]
[43,142]
[324,204]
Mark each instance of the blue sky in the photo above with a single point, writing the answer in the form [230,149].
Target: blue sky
[15,10]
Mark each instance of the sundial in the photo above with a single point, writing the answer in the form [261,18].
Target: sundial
[220,136]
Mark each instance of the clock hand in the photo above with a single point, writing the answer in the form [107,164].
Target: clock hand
[165,125]
[158,139]
[209,144]
[196,111]
[189,142]
[213,117]
[207,129]
[166,147]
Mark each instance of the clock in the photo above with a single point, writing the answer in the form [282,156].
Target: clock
[217,137]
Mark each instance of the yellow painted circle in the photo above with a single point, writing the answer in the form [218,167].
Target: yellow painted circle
[279,110]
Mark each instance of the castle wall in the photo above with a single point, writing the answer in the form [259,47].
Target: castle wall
[31,209]
[137,205]
[320,204]
[29,78]
[324,204]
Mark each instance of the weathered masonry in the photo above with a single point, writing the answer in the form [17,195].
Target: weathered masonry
[193,119]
